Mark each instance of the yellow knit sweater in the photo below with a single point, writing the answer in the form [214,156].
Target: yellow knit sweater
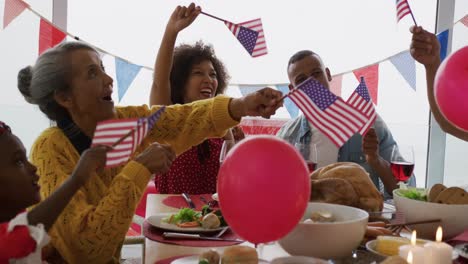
[92,227]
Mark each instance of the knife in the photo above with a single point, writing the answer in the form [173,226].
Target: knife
[188,200]
[197,236]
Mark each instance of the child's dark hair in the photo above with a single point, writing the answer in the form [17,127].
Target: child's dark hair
[4,128]
[185,56]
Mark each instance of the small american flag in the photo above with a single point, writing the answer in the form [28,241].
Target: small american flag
[124,135]
[361,100]
[260,46]
[327,112]
[402,9]
[464,20]
[248,38]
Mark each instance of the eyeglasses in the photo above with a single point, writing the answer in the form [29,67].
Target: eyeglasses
[4,128]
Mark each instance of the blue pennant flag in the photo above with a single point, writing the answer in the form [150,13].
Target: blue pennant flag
[443,39]
[406,65]
[245,89]
[293,110]
[126,73]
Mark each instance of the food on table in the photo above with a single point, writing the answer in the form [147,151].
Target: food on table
[394,260]
[209,257]
[452,195]
[239,254]
[414,194]
[434,192]
[320,217]
[210,221]
[358,190]
[388,245]
[335,191]
[438,193]
[187,218]
[375,229]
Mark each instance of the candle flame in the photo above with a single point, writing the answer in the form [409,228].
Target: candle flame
[413,238]
[439,234]
[409,259]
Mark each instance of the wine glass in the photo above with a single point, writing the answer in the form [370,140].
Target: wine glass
[402,162]
[227,146]
[309,153]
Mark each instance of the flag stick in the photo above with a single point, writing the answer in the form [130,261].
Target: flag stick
[127,135]
[123,137]
[290,92]
[411,12]
[215,17]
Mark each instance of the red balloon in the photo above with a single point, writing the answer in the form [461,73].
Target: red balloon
[451,88]
[263,188]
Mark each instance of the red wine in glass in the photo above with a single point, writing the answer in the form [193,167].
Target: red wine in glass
[311,166]
[402,170]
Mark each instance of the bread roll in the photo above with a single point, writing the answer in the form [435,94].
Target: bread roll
[239,255]
[211,256]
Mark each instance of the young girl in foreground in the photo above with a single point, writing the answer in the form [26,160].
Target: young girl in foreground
[23,234]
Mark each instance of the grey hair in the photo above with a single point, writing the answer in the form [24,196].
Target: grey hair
[50,75]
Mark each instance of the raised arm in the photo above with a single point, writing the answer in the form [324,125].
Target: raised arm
[181,18]
[425,49]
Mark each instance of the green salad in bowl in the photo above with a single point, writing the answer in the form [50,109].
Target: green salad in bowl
[419,194]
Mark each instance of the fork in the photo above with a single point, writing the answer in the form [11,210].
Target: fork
[211,203]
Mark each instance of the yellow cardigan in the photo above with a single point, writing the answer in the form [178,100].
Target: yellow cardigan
[92,227]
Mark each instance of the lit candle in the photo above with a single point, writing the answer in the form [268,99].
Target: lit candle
[409,259]
[417,252]
[438,252]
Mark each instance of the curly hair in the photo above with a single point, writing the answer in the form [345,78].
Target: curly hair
[185,57]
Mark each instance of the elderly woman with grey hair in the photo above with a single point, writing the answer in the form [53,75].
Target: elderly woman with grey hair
[70,85]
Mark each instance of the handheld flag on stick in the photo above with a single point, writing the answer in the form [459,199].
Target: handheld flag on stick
[250,35]
[402,9]
[327,112]
[124,135]
[361,100]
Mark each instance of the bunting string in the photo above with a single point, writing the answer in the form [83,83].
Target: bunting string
[402,61]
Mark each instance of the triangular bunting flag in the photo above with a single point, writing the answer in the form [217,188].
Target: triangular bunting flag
[13,8]
[464,20]
[245,89]
[406,65]
[126,73]
[335,84]
[443,40]
[290,105]
[371,74]
[49,36]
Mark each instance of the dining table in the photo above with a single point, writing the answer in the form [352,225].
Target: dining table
[157,252]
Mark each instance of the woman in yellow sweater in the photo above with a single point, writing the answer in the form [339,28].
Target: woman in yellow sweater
[70,86]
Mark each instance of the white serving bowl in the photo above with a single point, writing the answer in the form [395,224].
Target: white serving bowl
[454,217]
[327,240]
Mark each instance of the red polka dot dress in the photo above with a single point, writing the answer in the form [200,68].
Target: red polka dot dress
[189,175]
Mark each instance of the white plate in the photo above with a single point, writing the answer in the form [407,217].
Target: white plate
[156,221]
[298,259]
[371,245]
[459,249]
[194,260]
